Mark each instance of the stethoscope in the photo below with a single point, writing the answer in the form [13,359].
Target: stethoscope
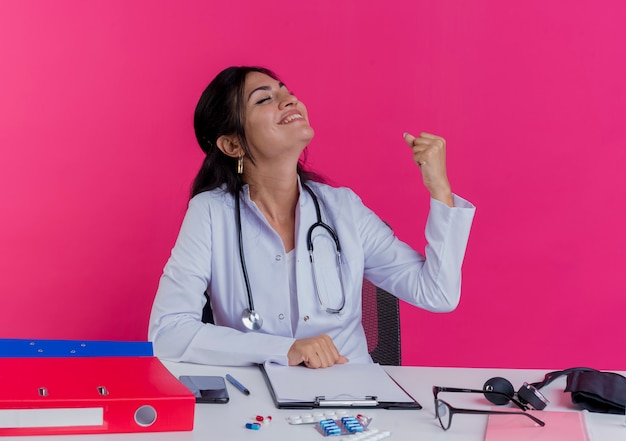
[250,317]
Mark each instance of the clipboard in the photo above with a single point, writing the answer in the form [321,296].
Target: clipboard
[339,386]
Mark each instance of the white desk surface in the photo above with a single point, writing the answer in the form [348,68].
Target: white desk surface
[226,422]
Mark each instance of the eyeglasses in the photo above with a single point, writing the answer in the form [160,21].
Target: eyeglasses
[444,411]
[495,397]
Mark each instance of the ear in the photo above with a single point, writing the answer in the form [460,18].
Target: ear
[229,145]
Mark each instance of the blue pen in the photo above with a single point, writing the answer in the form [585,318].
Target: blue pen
[237,384]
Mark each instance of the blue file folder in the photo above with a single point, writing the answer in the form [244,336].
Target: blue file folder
[17,348]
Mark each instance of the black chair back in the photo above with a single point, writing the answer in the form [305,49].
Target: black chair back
[381,321]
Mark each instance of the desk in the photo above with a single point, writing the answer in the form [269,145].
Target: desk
[225,422]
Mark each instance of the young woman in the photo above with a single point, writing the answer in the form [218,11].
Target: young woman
[281,255]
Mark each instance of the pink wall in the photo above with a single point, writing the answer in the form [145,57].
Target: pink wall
[97,154]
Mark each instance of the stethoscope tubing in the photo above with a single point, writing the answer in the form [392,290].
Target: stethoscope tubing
[251,319]
[241,255]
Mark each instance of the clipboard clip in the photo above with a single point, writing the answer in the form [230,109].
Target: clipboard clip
[367,401]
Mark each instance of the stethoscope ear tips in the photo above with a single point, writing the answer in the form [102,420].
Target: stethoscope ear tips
[502,389]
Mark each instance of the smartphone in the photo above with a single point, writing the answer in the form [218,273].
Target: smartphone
[206,388]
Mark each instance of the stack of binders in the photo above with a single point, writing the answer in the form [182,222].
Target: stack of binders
[53,387]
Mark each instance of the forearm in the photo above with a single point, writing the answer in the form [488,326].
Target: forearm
[447,234]
[188,340]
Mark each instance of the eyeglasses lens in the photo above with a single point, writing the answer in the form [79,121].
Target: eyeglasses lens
[443,414]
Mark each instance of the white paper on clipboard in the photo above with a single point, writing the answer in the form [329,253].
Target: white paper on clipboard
[340,382]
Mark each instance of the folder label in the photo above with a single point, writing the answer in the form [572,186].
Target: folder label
[22,418]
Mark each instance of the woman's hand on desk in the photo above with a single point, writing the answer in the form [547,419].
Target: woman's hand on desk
[315,352]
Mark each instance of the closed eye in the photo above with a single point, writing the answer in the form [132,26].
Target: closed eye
[267,89]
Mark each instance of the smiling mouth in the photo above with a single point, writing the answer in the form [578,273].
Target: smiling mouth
[291,118]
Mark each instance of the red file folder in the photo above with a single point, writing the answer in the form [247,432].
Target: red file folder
[41,396]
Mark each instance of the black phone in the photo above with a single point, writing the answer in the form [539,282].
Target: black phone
[206,388]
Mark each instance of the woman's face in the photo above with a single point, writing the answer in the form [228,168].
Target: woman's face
[275,121]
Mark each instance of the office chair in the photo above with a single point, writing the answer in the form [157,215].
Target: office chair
[381,321]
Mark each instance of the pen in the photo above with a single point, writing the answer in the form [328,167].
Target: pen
[237,384]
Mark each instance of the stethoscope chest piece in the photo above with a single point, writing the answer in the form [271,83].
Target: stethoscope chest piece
[251,319]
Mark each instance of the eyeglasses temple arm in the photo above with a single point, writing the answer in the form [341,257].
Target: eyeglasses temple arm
[492,412]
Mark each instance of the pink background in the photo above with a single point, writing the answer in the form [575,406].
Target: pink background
[97,154]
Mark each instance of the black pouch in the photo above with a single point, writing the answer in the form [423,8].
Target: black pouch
[596,391]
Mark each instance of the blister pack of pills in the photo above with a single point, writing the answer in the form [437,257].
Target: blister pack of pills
[371,435]
[316,417]
[336,423]
[344,426]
